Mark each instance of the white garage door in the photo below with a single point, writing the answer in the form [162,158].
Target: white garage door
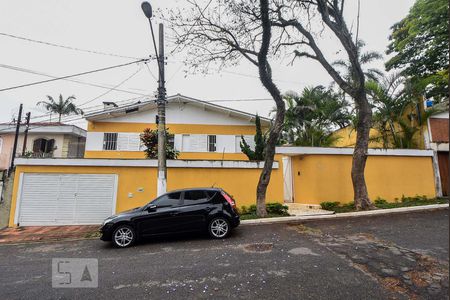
[66,199]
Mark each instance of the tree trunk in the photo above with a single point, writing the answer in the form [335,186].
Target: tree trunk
[265,75]
[59,118]
[264,178]
[361,196]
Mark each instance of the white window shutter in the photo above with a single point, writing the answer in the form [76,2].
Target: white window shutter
[128,142]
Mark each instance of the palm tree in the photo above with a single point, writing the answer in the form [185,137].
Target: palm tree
[312,116]
[395,118]
[364,58]
[62,107]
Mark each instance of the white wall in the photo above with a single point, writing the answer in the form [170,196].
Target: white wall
[94,141]
[442,115]
[179,113]
[59,141]
[183,142]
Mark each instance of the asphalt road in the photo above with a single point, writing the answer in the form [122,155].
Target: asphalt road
[383,257]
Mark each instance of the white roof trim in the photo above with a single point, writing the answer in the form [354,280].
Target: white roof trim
[84,162]
[291,151]
[108,112]
[44,129]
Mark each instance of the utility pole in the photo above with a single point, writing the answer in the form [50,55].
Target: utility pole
[16,138]
[25,138]
[162,166]
[161,102]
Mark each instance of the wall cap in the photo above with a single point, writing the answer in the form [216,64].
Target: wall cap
[292,151]
[215,164]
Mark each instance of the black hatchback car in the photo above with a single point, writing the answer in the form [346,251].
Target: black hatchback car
[187,210]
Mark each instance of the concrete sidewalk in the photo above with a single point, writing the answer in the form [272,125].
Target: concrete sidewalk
[345,215]
[16,235]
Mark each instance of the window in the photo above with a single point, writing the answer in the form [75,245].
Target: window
[110,141]
[212,143]
[168,200]
[194,143]
[195,197]
[41,146]
[127,141]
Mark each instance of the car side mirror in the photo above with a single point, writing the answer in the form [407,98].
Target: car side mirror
[151,207]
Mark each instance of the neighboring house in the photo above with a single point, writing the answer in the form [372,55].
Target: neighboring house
[198,129]
[45,140]
[433,135]
[436,136]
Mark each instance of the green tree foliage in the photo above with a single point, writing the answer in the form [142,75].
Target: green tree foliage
[395,111]
[62,107]
[260,143]
[312,117]
[365,58]
[419,43]
[149,139]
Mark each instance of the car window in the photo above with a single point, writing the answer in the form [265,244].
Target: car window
[168,200]
[195,197]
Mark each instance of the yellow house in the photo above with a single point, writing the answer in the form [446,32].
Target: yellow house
[114,176]
[198,129]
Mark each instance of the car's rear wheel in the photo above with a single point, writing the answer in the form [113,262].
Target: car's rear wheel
[219,228]
[123,236]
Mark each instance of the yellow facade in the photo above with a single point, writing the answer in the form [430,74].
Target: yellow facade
[141,182]
[173,129]
[346,137]
[319,178]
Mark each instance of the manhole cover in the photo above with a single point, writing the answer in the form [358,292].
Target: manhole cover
[258,247]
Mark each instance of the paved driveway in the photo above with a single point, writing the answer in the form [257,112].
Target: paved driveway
[383,257]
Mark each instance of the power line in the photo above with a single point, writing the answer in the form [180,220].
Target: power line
[150,71]
[257,77]
[93,108]
[64,46]
[73,75]
[108,91]
[19,69]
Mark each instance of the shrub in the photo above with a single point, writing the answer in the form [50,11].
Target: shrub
[271,208]
[329,205]
[252,209]
[277,209]
[349,206]
[380,201]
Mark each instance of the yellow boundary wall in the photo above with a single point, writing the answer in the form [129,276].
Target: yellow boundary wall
[319,178]
[318,175]
[141,182]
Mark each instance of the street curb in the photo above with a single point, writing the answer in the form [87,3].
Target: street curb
[47,241]
[345,215]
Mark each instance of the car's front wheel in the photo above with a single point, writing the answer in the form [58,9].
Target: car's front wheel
[219,228]
[123,236]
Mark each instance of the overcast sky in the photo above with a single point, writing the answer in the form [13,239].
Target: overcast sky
[119,27]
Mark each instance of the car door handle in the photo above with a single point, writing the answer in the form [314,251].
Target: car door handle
[174,213]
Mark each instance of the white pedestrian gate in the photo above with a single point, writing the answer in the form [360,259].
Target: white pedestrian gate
[65,199]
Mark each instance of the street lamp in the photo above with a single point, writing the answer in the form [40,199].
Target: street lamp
[161,102]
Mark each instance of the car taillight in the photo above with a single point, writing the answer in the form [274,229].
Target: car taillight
[229,200]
